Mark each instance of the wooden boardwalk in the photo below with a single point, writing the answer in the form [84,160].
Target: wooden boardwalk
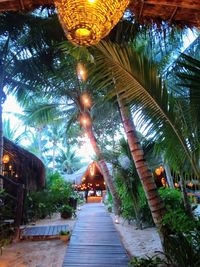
[43,231]
[95,241]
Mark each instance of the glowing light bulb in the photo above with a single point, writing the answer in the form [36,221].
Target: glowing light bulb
[116,219]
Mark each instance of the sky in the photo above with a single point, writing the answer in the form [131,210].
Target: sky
[10,107]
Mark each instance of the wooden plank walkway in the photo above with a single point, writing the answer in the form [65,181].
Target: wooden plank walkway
[95,241]
[43,231]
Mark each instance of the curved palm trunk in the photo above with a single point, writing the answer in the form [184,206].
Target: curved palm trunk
[155,203]
[105,171]
[1,123]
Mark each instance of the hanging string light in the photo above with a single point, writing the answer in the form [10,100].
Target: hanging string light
[86,22]
[92,169]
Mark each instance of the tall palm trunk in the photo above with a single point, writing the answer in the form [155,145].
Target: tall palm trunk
[155,203]
[39,130]
[186,202]
[54,155]
[1,143]
[104,168]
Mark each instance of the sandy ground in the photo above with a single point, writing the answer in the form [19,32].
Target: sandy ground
[138,242]
[50,253]
[45,253]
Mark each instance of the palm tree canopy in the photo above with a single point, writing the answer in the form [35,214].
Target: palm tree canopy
[135,79]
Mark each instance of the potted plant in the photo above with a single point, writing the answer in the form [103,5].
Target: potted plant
[65,235]
[66,211]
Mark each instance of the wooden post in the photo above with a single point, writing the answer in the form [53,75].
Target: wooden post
[19,210]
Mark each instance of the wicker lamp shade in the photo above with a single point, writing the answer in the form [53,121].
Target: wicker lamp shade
[86,22]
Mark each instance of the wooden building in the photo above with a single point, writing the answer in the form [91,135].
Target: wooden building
[22,167]
[177,12]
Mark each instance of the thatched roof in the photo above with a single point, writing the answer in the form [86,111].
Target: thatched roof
[29,168]
[83,176]
[181,12]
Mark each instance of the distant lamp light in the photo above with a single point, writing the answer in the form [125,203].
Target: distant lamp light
[190,184]
[92,169]
[117,219]
[6,158]
[85,120]
[10,167]
[81,71]
[86,100]
[86,22]
[176,185]
[159,171]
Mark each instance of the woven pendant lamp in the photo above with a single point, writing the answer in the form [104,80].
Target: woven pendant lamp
[86,22]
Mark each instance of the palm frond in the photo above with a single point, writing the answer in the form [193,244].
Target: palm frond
[136,81]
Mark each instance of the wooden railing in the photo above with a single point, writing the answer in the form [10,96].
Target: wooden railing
[18,200]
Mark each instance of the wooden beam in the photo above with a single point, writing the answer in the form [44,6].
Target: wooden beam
[21,4]
[173,14]
[182,4]
[141,9]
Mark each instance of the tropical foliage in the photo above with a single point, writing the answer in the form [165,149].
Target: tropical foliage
[156,110]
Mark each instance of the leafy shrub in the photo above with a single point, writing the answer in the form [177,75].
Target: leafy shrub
[144,210]
[182,246]
[172,198]
[134,205]
[154,261]
[40,204]
[183,251]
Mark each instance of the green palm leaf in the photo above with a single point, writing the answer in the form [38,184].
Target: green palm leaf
[136,81]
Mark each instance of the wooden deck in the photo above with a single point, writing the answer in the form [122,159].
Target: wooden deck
[43,231]
[95,241]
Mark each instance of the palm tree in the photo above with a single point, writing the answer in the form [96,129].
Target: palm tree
[136,83]
[67,161]
[11,132]
[55,133]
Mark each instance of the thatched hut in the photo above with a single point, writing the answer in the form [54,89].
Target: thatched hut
[23,167]
[178,12]
[88,177]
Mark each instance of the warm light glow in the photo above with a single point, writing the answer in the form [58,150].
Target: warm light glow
[86,100]
[6,158]
[190,184]
[10,167]
[81,71]
[84,121]
[159,170]
[92,169]
[82,32]
[116,219]
[176,184]
[86,22]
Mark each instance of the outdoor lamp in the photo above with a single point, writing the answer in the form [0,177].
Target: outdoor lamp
[81,71]
[86,100]
[6,159]
[86,22]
